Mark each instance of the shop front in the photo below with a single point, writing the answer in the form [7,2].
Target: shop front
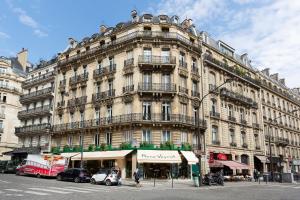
[165,164]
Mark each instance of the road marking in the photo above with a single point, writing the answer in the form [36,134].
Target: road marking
[4,181]
[36,193]
[49,190]
[297,187]
[72,190]
[14,190]
[88,189]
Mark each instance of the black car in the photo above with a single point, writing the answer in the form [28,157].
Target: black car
[8,166]
[74,174]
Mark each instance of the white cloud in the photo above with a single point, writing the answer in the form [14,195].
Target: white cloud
[27,20]
[4,35]
[268,30]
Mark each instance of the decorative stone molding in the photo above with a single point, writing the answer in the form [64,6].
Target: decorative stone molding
[183,99]
[127,98]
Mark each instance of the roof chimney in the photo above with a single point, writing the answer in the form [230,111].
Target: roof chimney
[282,81]
[22,57]
[103,28]
[266,71]
[134,15]
[274,76]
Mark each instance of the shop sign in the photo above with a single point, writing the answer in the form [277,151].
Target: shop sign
[158,157]
[296,162]
[222,156]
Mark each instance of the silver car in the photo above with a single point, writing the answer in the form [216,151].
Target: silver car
[106,176]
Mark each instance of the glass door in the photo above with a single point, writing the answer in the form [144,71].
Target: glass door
[166,111]
[166,82]
[165,56]
[146,111]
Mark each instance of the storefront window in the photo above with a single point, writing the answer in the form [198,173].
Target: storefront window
[166,136]
[146,136]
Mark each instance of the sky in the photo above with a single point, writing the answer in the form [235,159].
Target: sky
[268,30]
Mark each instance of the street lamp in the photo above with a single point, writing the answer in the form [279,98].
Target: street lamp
[270,149]
[199,145]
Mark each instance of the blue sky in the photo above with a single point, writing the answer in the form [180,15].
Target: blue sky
[268,30]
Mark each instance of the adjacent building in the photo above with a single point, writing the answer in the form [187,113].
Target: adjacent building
[12,74]
[37,107]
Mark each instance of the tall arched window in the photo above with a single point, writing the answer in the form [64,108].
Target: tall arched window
[254,118]
[212,78]
[213,106]
[214,134]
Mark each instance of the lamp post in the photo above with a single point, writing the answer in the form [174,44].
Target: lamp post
[270,149]
[197,129]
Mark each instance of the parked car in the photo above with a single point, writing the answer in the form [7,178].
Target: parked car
[7,166]
[106,176]
[74,174]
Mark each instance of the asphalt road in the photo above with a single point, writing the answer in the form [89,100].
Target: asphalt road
[30,188]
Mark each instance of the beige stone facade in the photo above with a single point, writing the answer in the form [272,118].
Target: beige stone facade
[12,73]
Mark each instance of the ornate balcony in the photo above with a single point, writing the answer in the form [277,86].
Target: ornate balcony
[107,71]
[245,145]
[280,141]
[157,62]
[33,129]
[102,96]
[79,79]
[38,80]
[60,107]
[10,88]
[195,72]
[243,122]
[77,102]
[134,119]
[37,95]
[237,98]
[216,142]
[183,90]
[214,114]
[233,144]
[255,125]
[128,89]
[157,88]
[128,66]
[35,112]
[212,89]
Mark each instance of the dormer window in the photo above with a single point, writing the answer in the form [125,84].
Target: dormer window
[147,18]
[147,28]
[87,48]
[165,29]
[67,56]
[192,40]
[78,52]
[102,42]
[113,38]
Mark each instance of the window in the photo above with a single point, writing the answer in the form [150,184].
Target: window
[231,136]
[97,114]
[4,98]
[80,140]
[242,114]
[111,63]
[254,118]
[128,80]
[109,113]
[146,111]
[81,119]
[184,137]
[230,111]
[166,81]
[97,139]
[183,109]
[110,87]
[146,137]
[128,108]
[147,81]
[195,86]
[165,56]
[166,136]
[147,55]
[127,136]
[243,138]
[70,140]
[129,54]
[214,133]
[182,62]
[30,141]
[212,78]
[166,111]
[213,106]
[108,138]
[183,82]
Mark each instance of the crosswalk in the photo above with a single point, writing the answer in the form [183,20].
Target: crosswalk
[86,189]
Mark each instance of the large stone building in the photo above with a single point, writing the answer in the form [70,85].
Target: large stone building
[147,92]
[12,74]
[37,107]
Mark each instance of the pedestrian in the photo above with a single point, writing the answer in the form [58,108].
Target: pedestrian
[136,176]
[255,175]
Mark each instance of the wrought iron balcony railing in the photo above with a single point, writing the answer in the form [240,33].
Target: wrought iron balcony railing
[237,97]
[79,78]
[195,93]
[214,114]
[37,128]
[128,88]
[153,118]
[183,90]
[103,95]
[105,71]
[157,87]
[231,118]
[157,60]
[43,110]
[38,79]
[182,64]
[36,95]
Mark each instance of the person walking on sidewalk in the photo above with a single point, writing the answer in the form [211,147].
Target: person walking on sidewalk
[136,176]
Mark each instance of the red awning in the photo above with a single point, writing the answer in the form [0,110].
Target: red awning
[229,163]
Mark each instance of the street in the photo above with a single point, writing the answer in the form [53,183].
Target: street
[31,188]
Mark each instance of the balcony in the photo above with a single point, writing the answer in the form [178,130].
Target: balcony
[62,85]
[60,107]
[47,77]
[255,125]
[6,86]
[280,141]
[195,72]
[128,66]
[195,93]
[157,62]
[245,145]
[231,70]
[183,90]
[237,98]
[101,96]
[243,122]
[216,142]
[107,71]
[32,129]
[79,79]
[233,144]
[153,119]
[215,115]
[157,88]
[37,95]
[128,89]
[77,102]
[257,147]
[231,118]
[35,112]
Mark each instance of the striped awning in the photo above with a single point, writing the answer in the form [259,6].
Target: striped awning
[229,163]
